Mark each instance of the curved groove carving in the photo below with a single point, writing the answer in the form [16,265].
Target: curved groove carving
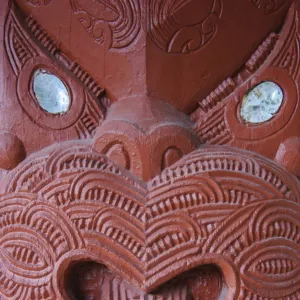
[19,43]
[116,23]
[172,33]
[29,47]
[229,86]
[18,48]
[218,118]
[269,6]
[190,212]
[139,196]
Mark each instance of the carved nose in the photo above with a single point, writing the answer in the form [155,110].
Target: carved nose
[144,135]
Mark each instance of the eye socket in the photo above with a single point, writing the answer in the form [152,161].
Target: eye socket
[50,92]
[262,102]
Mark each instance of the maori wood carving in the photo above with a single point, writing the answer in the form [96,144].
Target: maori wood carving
[29,48]
[277,60]
[269,6]
[116,21]
[74,204]
[172,32]
[150,184]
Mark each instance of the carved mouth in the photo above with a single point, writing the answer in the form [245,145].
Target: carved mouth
[90,279]
[217,205]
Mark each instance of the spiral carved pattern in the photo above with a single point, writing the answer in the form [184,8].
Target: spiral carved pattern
[116,23]
[269,6]
[217,205]
[174,35]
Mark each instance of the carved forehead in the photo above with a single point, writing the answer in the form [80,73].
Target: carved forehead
[178,41]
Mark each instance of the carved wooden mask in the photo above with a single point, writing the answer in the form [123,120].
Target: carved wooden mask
[142,154]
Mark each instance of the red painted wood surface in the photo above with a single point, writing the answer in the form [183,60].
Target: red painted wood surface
[151,186]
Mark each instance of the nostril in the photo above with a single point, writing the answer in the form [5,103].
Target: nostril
[170,156]
[145,135]
[119,155]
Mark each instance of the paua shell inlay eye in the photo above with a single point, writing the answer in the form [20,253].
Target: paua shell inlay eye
[262,102]
[50,92]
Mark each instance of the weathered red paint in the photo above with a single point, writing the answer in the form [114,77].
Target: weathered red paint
[146,188]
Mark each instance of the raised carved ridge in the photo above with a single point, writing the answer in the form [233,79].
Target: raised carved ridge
[289,56]
[18,48]
[216,96]
[83,202]
[229,85]
[169,34]
[90,119]
[47,43]
[87,80]
[41,35]
[215,131]
[269,6]
[118,25]
[262,52]
[28,46]
[277,60]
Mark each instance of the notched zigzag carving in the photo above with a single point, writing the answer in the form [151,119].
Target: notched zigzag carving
[20,45]
[26,42]
[216,205]
[18,48]
[229,85]
[278,51]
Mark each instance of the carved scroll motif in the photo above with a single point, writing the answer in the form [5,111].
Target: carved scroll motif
[172,32]
[116,23]
[70,204]
[269,6]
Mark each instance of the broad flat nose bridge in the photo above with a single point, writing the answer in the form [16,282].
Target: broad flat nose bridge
[144,135]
